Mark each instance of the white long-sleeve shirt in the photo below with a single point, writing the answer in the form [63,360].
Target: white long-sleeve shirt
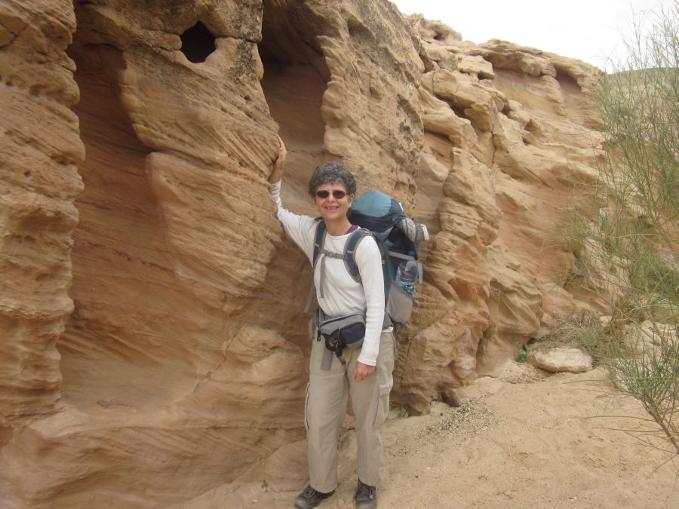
[341,294]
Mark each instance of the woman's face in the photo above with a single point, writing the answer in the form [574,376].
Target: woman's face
[332,201]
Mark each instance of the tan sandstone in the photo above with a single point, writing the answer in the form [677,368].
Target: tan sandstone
[153,344]
[561,359]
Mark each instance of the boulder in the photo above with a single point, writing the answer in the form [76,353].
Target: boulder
[561,359]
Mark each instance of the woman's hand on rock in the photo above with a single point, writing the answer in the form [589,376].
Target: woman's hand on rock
[279,162]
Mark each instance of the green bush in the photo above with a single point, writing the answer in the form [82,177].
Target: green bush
[637,229]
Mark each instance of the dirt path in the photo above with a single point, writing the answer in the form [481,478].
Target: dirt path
[522,441]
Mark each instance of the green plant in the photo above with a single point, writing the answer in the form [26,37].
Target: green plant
[587,332]
[651,374]
[521,356]
[575,230]
[636,233]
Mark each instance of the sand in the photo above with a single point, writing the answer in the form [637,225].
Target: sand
[524,440]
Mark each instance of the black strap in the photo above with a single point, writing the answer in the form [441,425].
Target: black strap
[319,240]
[349,256]
[350,251]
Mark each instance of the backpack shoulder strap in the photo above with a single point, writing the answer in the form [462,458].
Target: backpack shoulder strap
[350,251]
[319,240]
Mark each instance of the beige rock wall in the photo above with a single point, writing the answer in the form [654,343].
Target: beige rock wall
[39,149]
[153,341]
[510,143]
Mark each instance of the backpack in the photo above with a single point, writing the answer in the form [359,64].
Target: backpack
[398,238]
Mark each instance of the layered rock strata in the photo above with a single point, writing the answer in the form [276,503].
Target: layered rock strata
[510,142]
[39,149]
[153,341]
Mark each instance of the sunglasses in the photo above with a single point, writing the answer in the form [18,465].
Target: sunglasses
[338,194]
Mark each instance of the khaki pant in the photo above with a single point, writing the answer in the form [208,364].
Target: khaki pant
[326,406]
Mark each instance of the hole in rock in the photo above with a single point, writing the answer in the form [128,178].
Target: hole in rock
[294,81]
[574,101]
[295,78]
[567,80]
[197,43]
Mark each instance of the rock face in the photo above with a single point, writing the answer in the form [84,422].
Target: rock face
[39,149]
[153,341]
[509,136]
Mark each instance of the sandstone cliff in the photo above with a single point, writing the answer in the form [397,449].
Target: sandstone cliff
[153,343]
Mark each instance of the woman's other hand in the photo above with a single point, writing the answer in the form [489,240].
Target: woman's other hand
[362,371]
[279,162]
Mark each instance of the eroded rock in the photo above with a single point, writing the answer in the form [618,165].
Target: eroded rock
[153,340]
[39,149]
[561,359]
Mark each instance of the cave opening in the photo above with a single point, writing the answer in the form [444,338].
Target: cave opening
[197,43]
[295,79]
[293,84]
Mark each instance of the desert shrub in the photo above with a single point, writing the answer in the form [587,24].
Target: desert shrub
[637,229]
[651,374]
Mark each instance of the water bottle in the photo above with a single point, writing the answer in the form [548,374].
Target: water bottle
[406,276]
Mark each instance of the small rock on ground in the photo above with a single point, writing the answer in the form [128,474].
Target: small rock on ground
[561,359]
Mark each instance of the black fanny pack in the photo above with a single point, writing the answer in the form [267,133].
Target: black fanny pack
[341,332]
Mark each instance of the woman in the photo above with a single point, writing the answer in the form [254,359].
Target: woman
[365,373]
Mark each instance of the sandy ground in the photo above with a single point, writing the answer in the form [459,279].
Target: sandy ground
[522,441]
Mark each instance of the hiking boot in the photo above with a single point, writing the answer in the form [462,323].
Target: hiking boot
[310,498]
[366,496]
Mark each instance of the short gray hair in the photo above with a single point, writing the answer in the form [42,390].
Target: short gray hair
[332,172]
